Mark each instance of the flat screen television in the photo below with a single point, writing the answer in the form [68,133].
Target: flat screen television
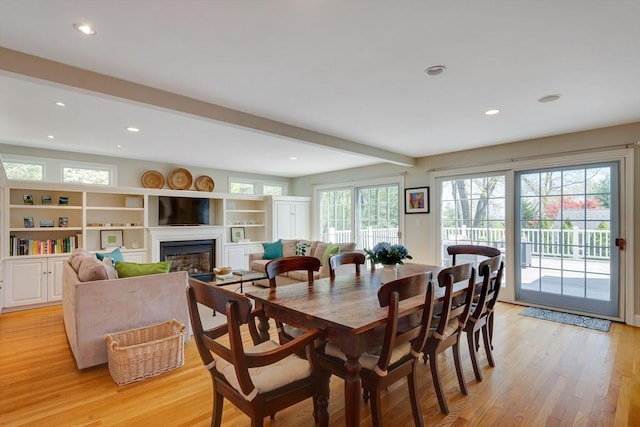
[182,211]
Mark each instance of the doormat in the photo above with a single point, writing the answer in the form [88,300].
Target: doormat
[567,318]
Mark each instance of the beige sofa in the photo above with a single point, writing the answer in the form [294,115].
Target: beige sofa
[315,248]
[92,309]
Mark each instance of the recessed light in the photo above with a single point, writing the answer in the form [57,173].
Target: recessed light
[435,70]
[118,145]
[549,98]
[50,136]
[61,104]
[133,129]
[85,29]
[293,158]
[492,112]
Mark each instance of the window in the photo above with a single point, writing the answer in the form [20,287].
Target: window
[251,186]
[24,170]
[242,188]
[335,216]
[367,213]
[88,174]
[273,189]
[472,212]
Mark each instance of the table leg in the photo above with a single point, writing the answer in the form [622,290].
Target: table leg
[352,387]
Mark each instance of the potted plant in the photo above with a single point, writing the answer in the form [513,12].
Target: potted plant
[387,254]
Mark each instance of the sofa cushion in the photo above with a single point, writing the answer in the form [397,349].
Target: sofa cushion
[331,250]
[133,269]
[272,250]
[302,275]
[76,257]
[259,265]
[319,250]
[303,248]
[347,247]
[115,255]
[91,269]
[289,247]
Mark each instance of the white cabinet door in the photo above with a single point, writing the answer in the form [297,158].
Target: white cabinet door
[54,278]
[236,257]
[134,256]
[291,220]
[26,282]
[283,221]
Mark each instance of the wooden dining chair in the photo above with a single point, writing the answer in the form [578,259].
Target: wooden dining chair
[282,265]
[481,317]
[342,258]
[259,380]
[397,356]
[447,326]
[484,251]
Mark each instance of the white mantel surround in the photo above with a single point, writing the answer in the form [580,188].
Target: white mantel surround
[179,233]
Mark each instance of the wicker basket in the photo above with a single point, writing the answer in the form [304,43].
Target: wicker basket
[141,353]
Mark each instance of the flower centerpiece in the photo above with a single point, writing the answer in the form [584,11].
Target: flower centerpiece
[387,254]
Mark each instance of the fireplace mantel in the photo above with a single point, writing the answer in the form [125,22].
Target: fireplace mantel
[176,233]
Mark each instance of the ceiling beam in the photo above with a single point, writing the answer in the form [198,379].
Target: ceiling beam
[43,69]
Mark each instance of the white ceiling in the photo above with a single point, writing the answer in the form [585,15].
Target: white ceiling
[352,72]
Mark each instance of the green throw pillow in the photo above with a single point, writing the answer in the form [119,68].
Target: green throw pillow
[132,269]
[115,255]
[331,250]
[272,250]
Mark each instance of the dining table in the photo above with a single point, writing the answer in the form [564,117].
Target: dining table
[346,308]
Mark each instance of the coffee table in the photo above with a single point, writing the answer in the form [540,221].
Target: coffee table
[239,277]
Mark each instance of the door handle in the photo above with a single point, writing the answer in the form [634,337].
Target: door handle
[621,243]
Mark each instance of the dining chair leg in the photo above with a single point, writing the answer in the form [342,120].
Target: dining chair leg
[456,360]
[477,339]
[486,336]
[365,396]
[412,381]
[435,375]
[376,410]
[472,338]
[490,320]
[216,420]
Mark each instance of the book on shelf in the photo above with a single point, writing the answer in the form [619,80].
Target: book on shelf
[18,246]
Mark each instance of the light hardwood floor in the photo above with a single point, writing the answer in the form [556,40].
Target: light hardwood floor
[546,374]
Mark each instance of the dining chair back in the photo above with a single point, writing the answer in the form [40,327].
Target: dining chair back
[481,317]
[458,250]
[448,324]
[404,336]
[342,258]
[282,265]
[261,379]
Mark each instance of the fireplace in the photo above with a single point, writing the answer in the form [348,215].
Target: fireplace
[196,257]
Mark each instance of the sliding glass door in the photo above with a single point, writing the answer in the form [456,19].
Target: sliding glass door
[567,223]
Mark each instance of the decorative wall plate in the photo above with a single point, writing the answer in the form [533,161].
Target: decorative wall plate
[152,179]
[180,179]
[205,183]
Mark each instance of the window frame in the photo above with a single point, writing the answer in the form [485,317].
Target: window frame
[25,160]
[112,170]
[258,186]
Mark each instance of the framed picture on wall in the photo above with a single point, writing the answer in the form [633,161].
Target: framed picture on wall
[237,234]
[416,200]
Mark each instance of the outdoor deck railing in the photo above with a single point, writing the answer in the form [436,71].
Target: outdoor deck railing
[592,244]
